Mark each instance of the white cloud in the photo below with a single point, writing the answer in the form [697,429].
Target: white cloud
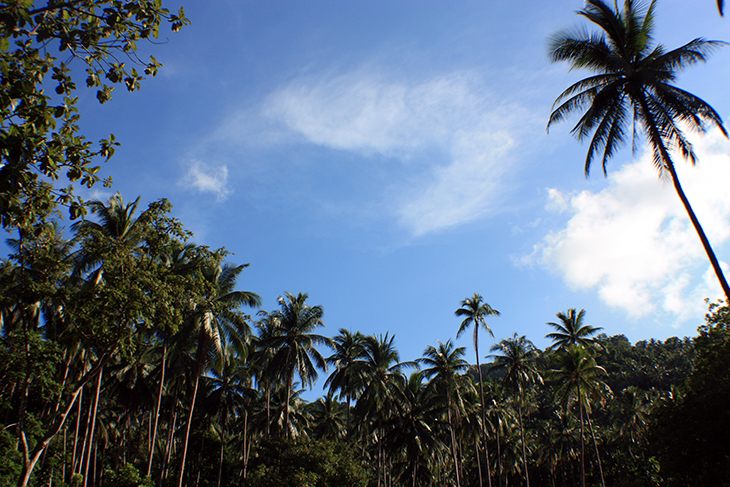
[450,135]
[633,241]
[208,179]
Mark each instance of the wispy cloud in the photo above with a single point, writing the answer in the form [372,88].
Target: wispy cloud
[447,134]
[207,179]
[633,241]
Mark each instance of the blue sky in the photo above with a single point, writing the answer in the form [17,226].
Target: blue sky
[391,159]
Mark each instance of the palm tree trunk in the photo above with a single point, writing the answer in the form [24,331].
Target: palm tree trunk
[157,409]
[453,448]
[479,463]
[347,425]
[187,427]
[199,359]
[595,445]
[94,410]
[483,406]
[245,442]
[698,228]
[522,440]
[76,435]
[268,410]
[220,463]
[582,447]
[289,386]
[170,439]
[658,142]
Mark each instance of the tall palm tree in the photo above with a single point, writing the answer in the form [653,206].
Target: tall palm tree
[444,366]
[634,78]
[294,344]
[228,382]
[413,431]
[349,365]
[264,372]
[518,360]
[577,379]
[571,330]
[217,321]
[475,310]
[382,388]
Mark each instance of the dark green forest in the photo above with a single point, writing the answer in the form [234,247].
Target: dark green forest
[129,355]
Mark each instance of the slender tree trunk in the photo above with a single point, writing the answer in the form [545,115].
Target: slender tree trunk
[524,451]
[85,444]
[170,441]
[453,448]
[595,445]
[181,474]
[582,448]
[479,462]
[76,435]
[497,430]
[157,409]
[483,405]
[347,425]
[245,443]
[268,409]
[658,142]
[220,463]
[289,386]
[94,410]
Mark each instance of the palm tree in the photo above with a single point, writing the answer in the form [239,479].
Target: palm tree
[413,430]
[228,383]
[444,366]
[382,387]
[577,378]
[518,360]
[264,372]
[634,78]
[294,343]
[327,418]
[217,321]
[348,362]
[571,330]
[475,310]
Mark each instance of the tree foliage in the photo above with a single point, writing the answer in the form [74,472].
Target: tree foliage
[40,139]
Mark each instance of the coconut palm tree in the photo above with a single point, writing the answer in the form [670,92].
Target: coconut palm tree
[217,321]
[518,361]
[444,366]
[349,365]
[571,330]
[294,343]
[327,418]
[382,389]
[577,379]
[412,433]
[634,79]
[475,310]
[228,382]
